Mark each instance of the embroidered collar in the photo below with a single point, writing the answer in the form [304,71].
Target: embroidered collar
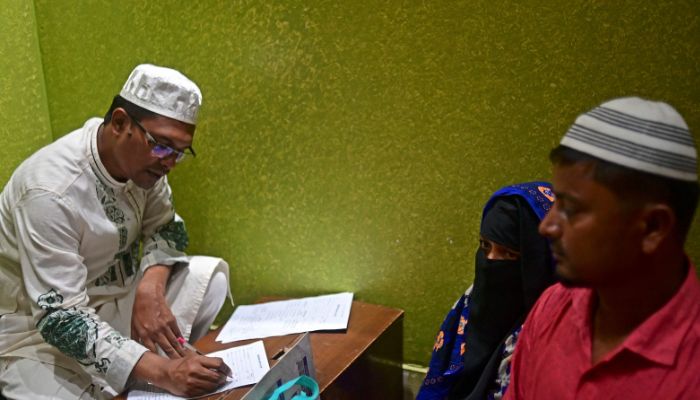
[92,127]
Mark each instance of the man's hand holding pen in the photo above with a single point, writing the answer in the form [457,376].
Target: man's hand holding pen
[222,368]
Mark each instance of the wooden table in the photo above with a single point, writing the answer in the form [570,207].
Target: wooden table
[364,362]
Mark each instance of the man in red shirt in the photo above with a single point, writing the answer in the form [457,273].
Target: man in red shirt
[624,323]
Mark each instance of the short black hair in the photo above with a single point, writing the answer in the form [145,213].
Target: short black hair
[630,185]
[137,112]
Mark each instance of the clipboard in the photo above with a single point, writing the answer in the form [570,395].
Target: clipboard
[296,360]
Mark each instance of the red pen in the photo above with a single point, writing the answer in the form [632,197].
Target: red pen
[188,346]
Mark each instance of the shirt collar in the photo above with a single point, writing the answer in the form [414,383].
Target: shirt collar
[92,128]
[659,337]
[581,300]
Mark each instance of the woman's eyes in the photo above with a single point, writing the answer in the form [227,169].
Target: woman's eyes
[484,245]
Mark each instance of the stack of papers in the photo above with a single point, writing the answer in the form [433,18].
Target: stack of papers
[277,318]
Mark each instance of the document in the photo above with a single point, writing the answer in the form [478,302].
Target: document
[248,364]
[277,318]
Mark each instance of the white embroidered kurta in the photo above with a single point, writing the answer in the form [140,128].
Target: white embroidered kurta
[69,242]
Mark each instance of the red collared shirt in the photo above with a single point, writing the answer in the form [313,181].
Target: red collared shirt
[660,359]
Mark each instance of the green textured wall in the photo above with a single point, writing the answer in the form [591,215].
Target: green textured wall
[351,145]
[24,113]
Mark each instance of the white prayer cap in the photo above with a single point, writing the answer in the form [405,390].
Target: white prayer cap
[164,91]
[640,134]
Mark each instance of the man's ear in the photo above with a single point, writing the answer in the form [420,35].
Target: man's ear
[659,223]
[121,123]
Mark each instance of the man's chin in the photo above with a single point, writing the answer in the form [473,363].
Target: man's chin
[570,283]
[567,279]
[145,184]
[147,180]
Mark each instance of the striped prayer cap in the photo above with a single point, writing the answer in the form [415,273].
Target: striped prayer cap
[639,134]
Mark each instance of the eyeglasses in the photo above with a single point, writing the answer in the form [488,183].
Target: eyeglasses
[163,151]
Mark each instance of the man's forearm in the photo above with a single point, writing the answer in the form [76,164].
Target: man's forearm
[156,278]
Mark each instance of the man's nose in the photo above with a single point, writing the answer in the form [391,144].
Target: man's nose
[549,227]
[169,162]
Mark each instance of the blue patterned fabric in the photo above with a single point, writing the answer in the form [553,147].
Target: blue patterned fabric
[449,351]
[538,194]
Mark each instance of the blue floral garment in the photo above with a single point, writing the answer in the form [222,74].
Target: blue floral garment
[449,351]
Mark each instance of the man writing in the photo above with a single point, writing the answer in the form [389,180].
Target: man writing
[625,321]
[91,254]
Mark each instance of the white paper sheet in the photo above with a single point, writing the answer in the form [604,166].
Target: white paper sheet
[248,364]
[328,312]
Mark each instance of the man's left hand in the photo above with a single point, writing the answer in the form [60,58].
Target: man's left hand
[152,322]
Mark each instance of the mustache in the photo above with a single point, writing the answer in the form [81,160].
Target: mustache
[556,248]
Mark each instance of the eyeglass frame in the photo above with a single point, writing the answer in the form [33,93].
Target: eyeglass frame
[179,155]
